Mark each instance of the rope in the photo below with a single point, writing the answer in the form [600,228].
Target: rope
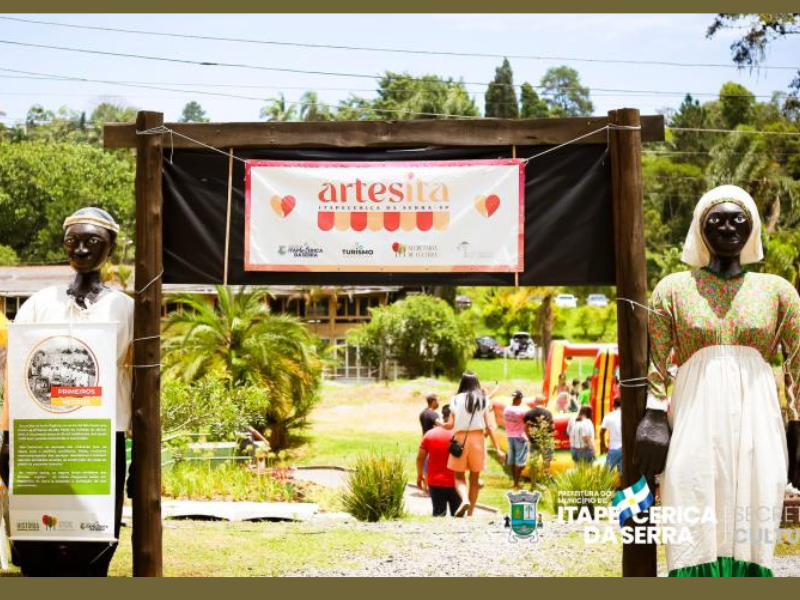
[149,283]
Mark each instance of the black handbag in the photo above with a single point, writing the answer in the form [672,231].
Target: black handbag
[456,447]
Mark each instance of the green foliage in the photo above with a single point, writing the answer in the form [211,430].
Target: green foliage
[508,310]
[238,339]
[737,104]
[761,30]
[582,478]
[192,480]
[531,105]
[422,332]
[501,97]
[8,257]
[279,109]
[405,97]
[43,182]
[542,444]
[210,404]
[312,110]
[68,125]
[563,92]
[193,113]
[592,324]
[375,488]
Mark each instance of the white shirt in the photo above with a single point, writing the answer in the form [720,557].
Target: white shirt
[458,406]
[54,305]
[578,431]
[613,422]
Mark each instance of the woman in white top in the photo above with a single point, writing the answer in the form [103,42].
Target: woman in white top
[581,436]
[470,418]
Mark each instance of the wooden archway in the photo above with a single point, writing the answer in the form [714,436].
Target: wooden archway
[625,135]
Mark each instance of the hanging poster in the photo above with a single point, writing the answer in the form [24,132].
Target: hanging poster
[442,216]
[62,410]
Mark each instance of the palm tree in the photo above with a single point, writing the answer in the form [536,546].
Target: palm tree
[279,109]
[312,110]
[241,340]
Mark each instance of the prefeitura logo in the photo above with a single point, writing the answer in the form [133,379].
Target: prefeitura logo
[524,520]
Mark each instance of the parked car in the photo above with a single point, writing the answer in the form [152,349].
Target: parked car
[566,301]
[487,347]
[596,300]
[521,346]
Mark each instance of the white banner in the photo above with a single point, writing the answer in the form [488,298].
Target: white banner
[438,216]
[62,383]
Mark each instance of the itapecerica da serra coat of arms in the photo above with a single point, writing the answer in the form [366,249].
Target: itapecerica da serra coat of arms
[524,521]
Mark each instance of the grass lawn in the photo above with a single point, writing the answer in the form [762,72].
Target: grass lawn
[526,373]
[203,549]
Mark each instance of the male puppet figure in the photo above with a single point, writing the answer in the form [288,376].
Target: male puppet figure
[89,238]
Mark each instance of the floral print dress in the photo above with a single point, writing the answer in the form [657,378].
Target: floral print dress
[726,468]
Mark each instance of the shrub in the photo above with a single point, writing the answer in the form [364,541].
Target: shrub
[210,405]
[422,332]
[375,488]
[597,482]
[230,482]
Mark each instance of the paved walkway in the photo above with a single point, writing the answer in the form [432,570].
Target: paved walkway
[417,502]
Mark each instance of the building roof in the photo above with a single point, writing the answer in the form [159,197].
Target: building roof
[24,281]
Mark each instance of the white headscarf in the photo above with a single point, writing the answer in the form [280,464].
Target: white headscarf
[695,251]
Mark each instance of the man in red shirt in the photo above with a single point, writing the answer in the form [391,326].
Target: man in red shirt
[435,446]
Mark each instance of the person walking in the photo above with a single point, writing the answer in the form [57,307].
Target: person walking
[429,416]
[581,436]
[612,423]
[434,450]
[469,420]
[514,417]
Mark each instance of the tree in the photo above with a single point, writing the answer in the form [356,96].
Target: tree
[312,110]
[193,113]
[564,94]
[8,258]
[508,310]
[279,109]
[240,340]
[403,97]
[764,28]
[531,105]
[41,183]
[737,104]
[501,97]
[423,333]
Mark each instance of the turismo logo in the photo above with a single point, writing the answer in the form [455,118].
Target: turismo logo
[357,250]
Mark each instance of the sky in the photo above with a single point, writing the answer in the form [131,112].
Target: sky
[652,37]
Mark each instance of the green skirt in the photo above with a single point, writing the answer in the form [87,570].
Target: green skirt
[723,567]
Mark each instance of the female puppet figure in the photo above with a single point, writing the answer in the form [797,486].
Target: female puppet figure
[727,456]
[89,238]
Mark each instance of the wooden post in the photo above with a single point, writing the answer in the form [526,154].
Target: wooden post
[147,352]
[626,181]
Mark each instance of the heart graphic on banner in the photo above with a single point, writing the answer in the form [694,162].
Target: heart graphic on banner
[282,206]
[487,205]
[492,204]
[480,205]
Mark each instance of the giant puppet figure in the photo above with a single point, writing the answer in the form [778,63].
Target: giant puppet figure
[726,455]
[89,238]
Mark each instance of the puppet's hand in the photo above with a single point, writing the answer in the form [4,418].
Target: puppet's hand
[652,443]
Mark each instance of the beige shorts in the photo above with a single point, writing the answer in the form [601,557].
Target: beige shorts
[474,456]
